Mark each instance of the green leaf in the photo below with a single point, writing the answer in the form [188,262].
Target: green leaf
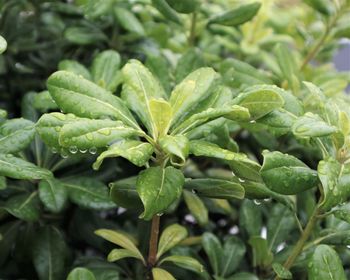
[311,125]
[49,253]
[128,21]
[185,262]
[118,254]
[124,194]
[195,88]
[74,94]
[324,7]
[213,249]
[190,61]
[330,173]
[161,274]
[139,88]
[158,188]
[260,100]
[120,239]
[262,256]
[207,149]
[74,67]
[233,253]
[81,273]
[278,121]
[286,174]
[237,16]
[215,188]
[245,168]
[250,219]
[163,7]
[243,276]
[16,135]
[171,236]
[183,6]
[24,206]
[17,168]
[3,183]
[85,133]
[161,114]
[325,264]
[342,212]
[53,194]
[136,152]
[3,44]
[44,102]
[105,70]
[82,35]
[196,207]
[177,147]
[88,193]
[281,271]
[235,112]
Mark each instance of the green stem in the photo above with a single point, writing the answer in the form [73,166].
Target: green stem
[301,242]
[192,37]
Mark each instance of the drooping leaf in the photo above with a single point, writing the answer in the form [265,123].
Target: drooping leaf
[119,239]
[185,262]
[195,88]
[88,193]
[177,147]
[105,70]
[16,135]
[158,188]
[286,174]
[24,206]
[216,188]
[123,193]
[260,100]
[196,207]
[74,94]
[53,194]
[213,249]
[163,7]
[139,88]
[118,254]
[135,151]
[81,273]
[49,253]
[170,237]
[18,168]
[161,274]
[325,264]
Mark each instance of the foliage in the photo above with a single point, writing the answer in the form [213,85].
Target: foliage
[178,139]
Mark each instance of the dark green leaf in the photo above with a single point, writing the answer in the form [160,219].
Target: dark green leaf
[81,273]
[53,194]
[24,206]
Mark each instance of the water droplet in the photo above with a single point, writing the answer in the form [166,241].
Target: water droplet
[160,214]
[105,131]
[89,136]
[64,154]
[233,173]
[110,185]
[252,121]
[92,150]
[257,202]
[194,191]
[57,128]
[54,150]
[83,151]
[73,149]
[241,180]
[267,199]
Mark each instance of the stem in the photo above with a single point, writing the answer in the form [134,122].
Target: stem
[153,242]
[192,37]
[301,242]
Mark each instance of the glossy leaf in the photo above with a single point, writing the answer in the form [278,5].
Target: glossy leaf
[250,218]
[136,152]
[281,271]
[80,273]
[118,254]
[195,88]
[163,7]
[245,168]
[177,147]
[139,88]
[3,44]
[74,94]
[342,212]
[286,174]
[123,193]
[161,274]
[203,148]
[44,102]
[325,264]
[158,188]
[161,114]
[213,249]
[196,207]
[260,100]
[105,70]
[128,21]
[233,253]
[74,67]
[237,16]
[262,256]
[183,6]
[216,188]
[119,239]
[53,194]
[18,168]
[184,262]
[311,125]
[49,253]
[16,135]
[88,193]
[24,206]
[170,237]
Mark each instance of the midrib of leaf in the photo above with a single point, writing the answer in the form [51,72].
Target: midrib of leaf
[52,192]
[259,102]
[161,184]
[12,134]
[328,269]
[84,190]
[32,195]
[277,230]
[227,262]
